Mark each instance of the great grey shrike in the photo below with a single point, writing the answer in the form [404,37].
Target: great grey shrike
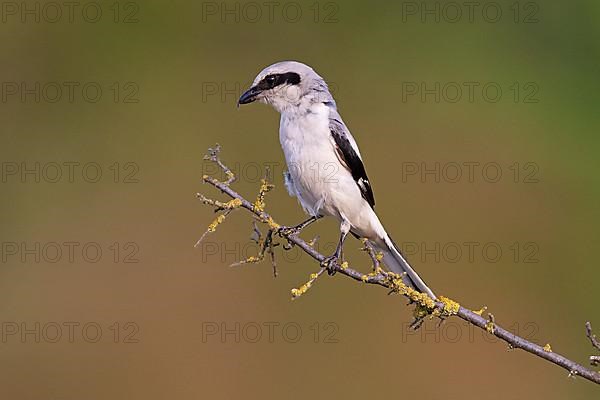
[325,169]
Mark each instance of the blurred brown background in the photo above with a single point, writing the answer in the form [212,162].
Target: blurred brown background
[102,294]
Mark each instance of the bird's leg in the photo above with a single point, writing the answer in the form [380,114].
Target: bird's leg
[294,230]
[331,261]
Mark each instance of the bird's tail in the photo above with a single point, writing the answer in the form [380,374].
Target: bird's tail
[395,261]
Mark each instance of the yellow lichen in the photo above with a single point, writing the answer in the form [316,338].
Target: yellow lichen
[301,290]
[265,186]
[420,312]
[398,286]
[490,327]
[376,272]
[421,298]
[272,224]
[250,260]
[480,311]
[213,226]
[304,288]
[451,307]
[231,204]
[344,265]
[548,348]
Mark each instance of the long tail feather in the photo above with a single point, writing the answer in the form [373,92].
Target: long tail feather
[395,261]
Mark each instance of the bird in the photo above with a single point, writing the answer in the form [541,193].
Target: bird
[325,169]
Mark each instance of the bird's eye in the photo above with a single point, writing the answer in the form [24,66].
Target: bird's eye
[270,79]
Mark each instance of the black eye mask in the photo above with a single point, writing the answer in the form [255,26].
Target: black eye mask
[274,80]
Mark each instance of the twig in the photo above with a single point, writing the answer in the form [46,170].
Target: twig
[213,155]
[266,246]
[594,360]
[444,307]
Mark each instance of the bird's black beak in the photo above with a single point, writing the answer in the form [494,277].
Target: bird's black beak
[249,96]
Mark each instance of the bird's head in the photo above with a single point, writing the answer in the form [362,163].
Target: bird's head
[287,86]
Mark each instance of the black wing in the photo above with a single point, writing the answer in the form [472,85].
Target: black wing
[351,159]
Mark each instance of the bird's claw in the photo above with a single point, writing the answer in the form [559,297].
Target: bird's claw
[288,231]
[331,263]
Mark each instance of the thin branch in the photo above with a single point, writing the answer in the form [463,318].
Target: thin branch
[443,308]
[266,246]
[594,360]
[213,155]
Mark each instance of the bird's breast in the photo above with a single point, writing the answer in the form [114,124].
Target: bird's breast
[311,160]
[307,145]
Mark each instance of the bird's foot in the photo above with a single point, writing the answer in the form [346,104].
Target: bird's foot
[331,263]
[295,230]
[289,230]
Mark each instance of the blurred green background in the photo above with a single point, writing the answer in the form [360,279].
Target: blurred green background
[164,324]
